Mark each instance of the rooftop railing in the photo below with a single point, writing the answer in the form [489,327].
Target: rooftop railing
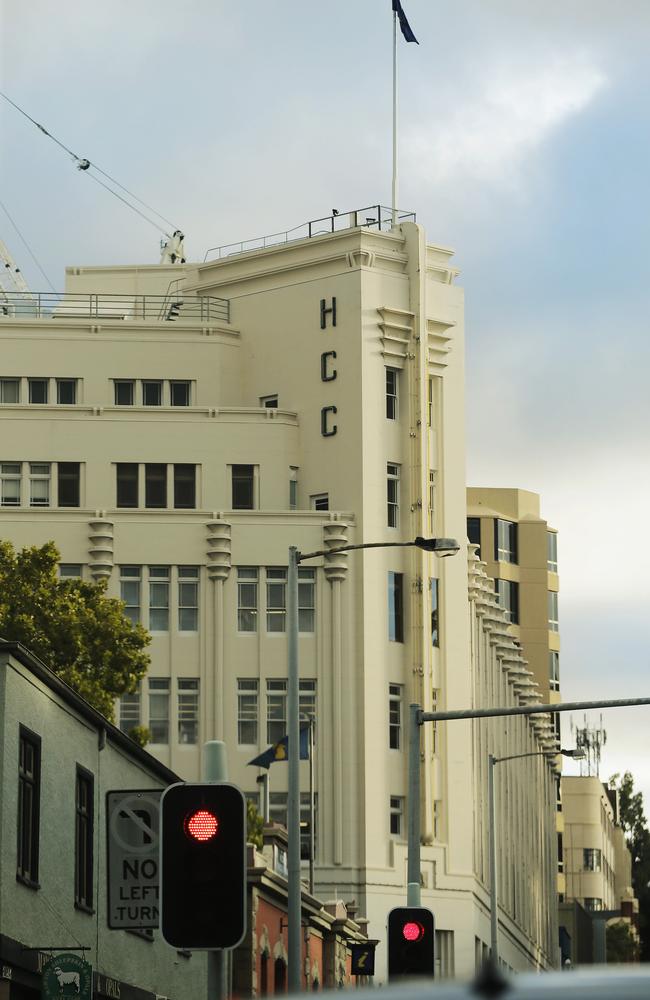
[159,308]
[373,217]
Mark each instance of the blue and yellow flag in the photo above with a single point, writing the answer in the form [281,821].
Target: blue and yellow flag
[407,31]
[280,750]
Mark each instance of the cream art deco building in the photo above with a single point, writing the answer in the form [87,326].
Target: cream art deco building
[175,428]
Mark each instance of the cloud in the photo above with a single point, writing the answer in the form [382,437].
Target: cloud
[490,134]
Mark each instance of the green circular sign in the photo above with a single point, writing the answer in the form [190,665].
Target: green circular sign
[66,976]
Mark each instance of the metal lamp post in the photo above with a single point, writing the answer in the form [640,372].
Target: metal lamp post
[440,546]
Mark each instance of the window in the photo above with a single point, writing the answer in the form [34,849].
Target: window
[127,484]
[124,392]
[247,711]
[551,549]
[278,814]
[306,589]
[37,390]
[130,578]
[270,402]
[276,600]
[560,852]
[152,393]
[276,710]
[179,393]
[159,709]
[435,633]
[39,484]
[392,494]
[307,702]
[243,487]
[66,391]
[9,390]
[10,484]
[395,608]
[84,815]
[68,484]
[319,501]
[155,485]
[188,710]
[507,592]
[29,794]
[553,616]
[70,571]
[159,598]
[396,815]
[474,533]
[430,402]
[554,670]
[184,487]
[505,541]
[188,598]
[247,598]
[593,903]
[130,711]
[432,501]
[395,716]
[392,376]
[437,819]
[591,859]
[293,488]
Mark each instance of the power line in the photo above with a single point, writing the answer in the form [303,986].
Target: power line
[29,249]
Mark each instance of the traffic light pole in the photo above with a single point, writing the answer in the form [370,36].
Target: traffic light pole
[294,891]
[216,769]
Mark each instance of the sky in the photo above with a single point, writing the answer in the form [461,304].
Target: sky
[524,146]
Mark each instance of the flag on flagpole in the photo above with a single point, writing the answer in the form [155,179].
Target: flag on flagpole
[407,31]
[280,750]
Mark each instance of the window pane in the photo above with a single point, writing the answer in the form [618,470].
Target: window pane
[185,487]
[180,393]
[130,592]
[188,605]
[306,599]
[552,551]
[70,571]
[10,481]
[152,393]
[69,478]
[159,709]
[66,391]
[84,840]
[505,541]
[158,603]
[391,393]
[247,599]
[435,637]
[124,393]
[247,711]
[507,592]
[243,487]
[130,711]
[392,490]
[9,390]
[276,600]
[155,485]
[38,390]
[29,776]
[39,484]
[395,608]
[188,710]
[127,484]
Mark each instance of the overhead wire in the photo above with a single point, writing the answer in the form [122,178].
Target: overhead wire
[85,165]
[29,249]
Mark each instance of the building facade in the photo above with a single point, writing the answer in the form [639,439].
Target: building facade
[176,428]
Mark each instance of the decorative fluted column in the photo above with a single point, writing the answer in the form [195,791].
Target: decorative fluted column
[100,550]
[218,564]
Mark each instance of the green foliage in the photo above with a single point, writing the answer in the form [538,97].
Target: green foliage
[78,632]
[140,735]
[254,825]
[621,945]
[634,823]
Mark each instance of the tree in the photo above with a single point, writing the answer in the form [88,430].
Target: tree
[632,819]
[621,944]
[254,825]
[78,632]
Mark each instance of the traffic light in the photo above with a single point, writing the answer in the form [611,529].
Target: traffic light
[411,939]
[202,866]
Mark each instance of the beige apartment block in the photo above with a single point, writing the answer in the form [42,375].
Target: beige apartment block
[176,428]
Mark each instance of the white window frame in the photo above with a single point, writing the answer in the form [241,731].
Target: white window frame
[159,583]
[131,575]
[392,393]
[276,608]
[392,494]
[159,695]
[247,609]
[44,478]
[551,551]
[395,700]
[306,600]
[396,816]
[14,382]
[247,710]
[130,709]
[188,584]
[317,499]
[10,475]
[188,710]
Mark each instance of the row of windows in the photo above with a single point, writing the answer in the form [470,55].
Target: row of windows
[393,376]
[507,592]
[506,541]
[40,484]
[29,793]
[127,392]
[275,592]
[155,581]
[396,617]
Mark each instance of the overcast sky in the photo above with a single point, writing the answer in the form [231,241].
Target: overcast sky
[524,146]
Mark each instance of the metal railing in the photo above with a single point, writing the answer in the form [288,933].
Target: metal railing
[70,305]
[373,217]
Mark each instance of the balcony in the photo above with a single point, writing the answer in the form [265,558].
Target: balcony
[174,307]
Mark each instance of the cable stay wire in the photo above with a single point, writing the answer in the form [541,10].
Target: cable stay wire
[85,165]
[29,249]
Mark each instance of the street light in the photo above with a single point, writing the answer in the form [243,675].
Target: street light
[494,902]
[439,546]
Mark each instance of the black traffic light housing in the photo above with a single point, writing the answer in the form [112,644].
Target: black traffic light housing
[411,941]
[203,866]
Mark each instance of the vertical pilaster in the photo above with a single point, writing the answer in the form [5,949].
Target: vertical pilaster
[218,565]
[336,567]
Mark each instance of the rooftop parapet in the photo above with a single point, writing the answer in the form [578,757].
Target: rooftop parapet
[106,306]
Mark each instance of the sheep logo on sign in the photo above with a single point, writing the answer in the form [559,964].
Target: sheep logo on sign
[65,977]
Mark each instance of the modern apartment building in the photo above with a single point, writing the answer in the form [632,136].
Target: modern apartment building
[175,428]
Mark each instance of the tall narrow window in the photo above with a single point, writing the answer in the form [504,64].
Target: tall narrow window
[395,716]
[307,701]
[188,710]
[430,402]
[551,542]
[66,391]
[276,710]
[432,501]
[306,599]
[293,488]
[69,484]
[159,709]
[130,711]
[38,390]
[396,815]
[435,624]
[159,598]
[507,592]
[179,393]
[29,795]
[127,484]
[124,392]
[188,598]
[247,689]
[9,390]
[243,487]
[84,817]
[395,607]
[185,487]
[474,533]
[392,494]
[155,485]
[10,484]
[553,614]
[276,600]
[247,598]
[391,393]
[554,670]
[130,579]
[505,541]
[151,393]
[39,484]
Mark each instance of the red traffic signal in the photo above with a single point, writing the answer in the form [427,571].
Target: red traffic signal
[412,931]
[201,825]
[411,941]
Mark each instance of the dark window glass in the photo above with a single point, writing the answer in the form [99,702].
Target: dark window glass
[38,390]
[505,541]
[69,477]
[155,485]
[179,393]
[507,592]
[474,533]
[395,607]
[84,815]
[321,501]
[127,484]
[243,487]
[185,486]
[391,393]
[66,390]
[124,393]
[435,626]
[152,393]
[29,793]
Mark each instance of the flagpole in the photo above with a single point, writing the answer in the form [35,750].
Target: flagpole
[394,193]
